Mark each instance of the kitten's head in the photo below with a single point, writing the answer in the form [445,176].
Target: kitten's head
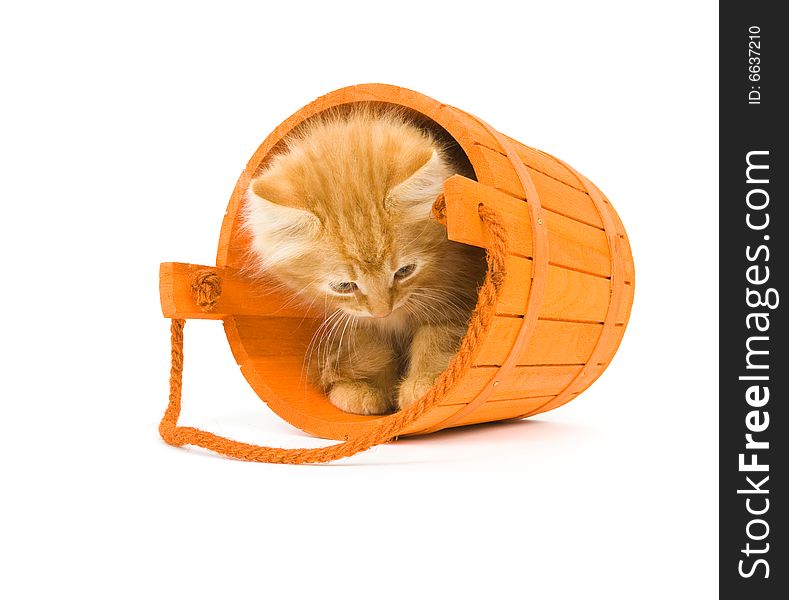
[342,216]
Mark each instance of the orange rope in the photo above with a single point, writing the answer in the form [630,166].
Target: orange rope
[391,425]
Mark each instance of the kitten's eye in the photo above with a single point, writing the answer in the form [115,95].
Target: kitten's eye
[404,271]
[344,287]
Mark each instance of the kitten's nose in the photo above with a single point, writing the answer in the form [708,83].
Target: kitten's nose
[379,298]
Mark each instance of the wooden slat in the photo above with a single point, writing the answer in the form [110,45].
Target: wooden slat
[566,200]
[552,343]
[501,410]
[554,195]
[576,245]
[514,294]
[490,411]
[276,336]
[558,342]
[523,381]
[499,171]
[430,419]
[575,296]
[498,343]
[538,161]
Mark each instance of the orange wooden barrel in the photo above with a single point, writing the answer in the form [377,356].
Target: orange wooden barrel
[561,312]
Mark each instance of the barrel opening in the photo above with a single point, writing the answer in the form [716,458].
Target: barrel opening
[272,349]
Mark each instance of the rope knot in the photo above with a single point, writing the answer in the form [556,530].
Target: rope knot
[440,209]
[206,289]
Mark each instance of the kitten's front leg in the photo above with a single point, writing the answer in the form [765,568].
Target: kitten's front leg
[360,372]
[432,347]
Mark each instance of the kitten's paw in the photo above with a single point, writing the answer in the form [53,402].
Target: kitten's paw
[359,398]
[413,388]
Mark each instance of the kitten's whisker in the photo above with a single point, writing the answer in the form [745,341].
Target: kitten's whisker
[448,296]
[296,296]
[351,336]
[342,335]
[355,327]
[422,311]
[329,340]
[306,312]
[336,340]
[465,297]
[439,302]
[438,307]
[317,336]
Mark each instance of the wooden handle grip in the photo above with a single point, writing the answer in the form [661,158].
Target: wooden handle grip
[240,295]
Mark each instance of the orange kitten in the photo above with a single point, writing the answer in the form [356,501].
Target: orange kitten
[342,217]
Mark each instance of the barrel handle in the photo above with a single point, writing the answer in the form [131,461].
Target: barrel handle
[206,292]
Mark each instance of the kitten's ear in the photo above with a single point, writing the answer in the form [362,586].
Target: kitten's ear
[273,204]
[280,228]
[420,189]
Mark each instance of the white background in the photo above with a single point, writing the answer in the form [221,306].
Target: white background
[123,130]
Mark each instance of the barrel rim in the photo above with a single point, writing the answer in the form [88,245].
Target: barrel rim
[454,124]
